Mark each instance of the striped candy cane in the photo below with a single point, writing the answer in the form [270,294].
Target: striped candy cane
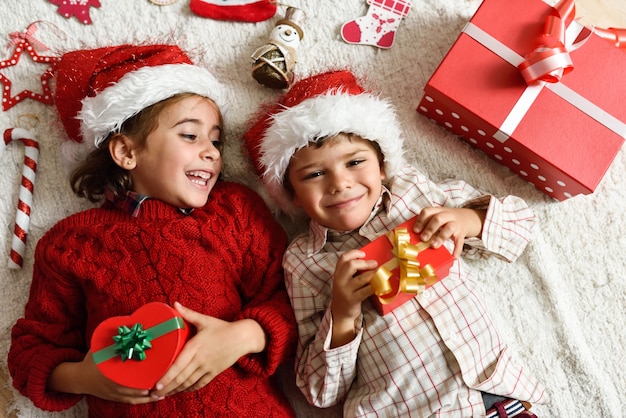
[22,218]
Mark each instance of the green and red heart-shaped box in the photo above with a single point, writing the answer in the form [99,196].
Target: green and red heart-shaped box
[136,350]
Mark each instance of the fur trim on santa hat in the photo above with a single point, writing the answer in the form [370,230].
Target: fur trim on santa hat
[107,111]
[330,113]
[98,90]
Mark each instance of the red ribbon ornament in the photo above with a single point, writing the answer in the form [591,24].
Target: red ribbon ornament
[551,60]
[615,35]
[27,42]
[29,36]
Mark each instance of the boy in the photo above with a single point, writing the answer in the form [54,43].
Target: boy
[333,151]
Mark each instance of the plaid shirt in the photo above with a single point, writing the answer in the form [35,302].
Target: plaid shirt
[432,356]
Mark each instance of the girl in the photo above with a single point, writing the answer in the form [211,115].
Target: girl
[169,230]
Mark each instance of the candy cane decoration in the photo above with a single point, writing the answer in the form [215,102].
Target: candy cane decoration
[24,203]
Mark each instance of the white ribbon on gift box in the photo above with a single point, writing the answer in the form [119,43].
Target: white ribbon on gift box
[532,91]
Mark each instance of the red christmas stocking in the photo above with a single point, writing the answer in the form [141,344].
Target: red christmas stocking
[239,10]
[378,27]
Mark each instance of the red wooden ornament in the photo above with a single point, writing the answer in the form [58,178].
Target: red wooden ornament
[46,96]
[79,8]
[168,332]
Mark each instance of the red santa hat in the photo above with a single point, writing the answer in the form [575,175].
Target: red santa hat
[314,108]
[98,89]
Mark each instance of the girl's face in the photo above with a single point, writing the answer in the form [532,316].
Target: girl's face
[337,184]
[181,162]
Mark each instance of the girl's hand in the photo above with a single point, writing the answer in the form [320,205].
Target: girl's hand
[349,290]
[85,378]
[215,347]
[441,223]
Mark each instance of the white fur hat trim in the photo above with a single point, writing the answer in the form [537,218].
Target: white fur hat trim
[107,111]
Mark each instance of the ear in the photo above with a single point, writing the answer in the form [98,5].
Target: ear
[383,174]
[122,151]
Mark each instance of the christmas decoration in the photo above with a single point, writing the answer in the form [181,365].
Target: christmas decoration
[25,199]
[78,8]
[273,63]
[617,36]
[238,10]
[136,350]
[378,27]
[27,41]
[132,343]
[545,132]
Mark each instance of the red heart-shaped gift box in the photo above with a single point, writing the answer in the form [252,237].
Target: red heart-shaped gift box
[167,333]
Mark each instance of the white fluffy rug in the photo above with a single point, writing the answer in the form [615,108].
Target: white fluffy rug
[561,306]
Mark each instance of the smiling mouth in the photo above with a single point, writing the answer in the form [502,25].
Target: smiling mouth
[199,177]
[344,203]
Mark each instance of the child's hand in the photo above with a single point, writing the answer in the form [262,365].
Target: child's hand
[86,379]
[216,346]
[349,290]
[441,223]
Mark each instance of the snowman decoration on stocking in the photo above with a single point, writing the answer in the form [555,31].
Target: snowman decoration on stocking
[378,27]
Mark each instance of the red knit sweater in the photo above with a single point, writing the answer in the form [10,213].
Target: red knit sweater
[222,260]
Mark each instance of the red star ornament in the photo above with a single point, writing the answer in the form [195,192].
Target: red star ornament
[46,96]
[78,8]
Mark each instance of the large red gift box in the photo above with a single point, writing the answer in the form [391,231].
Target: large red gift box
[136,350]
[433,264]
[561,137]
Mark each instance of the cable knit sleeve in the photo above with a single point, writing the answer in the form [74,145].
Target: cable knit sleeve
[264,296]
[52,326]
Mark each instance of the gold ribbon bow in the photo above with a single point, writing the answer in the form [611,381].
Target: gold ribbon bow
[413,279]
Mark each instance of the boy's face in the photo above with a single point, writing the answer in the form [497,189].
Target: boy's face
[337,184]
[181,163]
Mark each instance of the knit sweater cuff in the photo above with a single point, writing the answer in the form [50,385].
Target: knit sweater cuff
[36,386]
[280,337]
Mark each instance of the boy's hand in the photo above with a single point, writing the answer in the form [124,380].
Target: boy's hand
[441,223]
[349,290]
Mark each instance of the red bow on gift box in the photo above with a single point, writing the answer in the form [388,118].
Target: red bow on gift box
[551,59]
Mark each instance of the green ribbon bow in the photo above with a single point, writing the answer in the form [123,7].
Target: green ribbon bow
[132,343]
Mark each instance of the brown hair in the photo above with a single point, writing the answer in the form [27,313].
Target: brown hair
[99,172]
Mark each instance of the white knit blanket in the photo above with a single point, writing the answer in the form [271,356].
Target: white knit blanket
[560,307]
